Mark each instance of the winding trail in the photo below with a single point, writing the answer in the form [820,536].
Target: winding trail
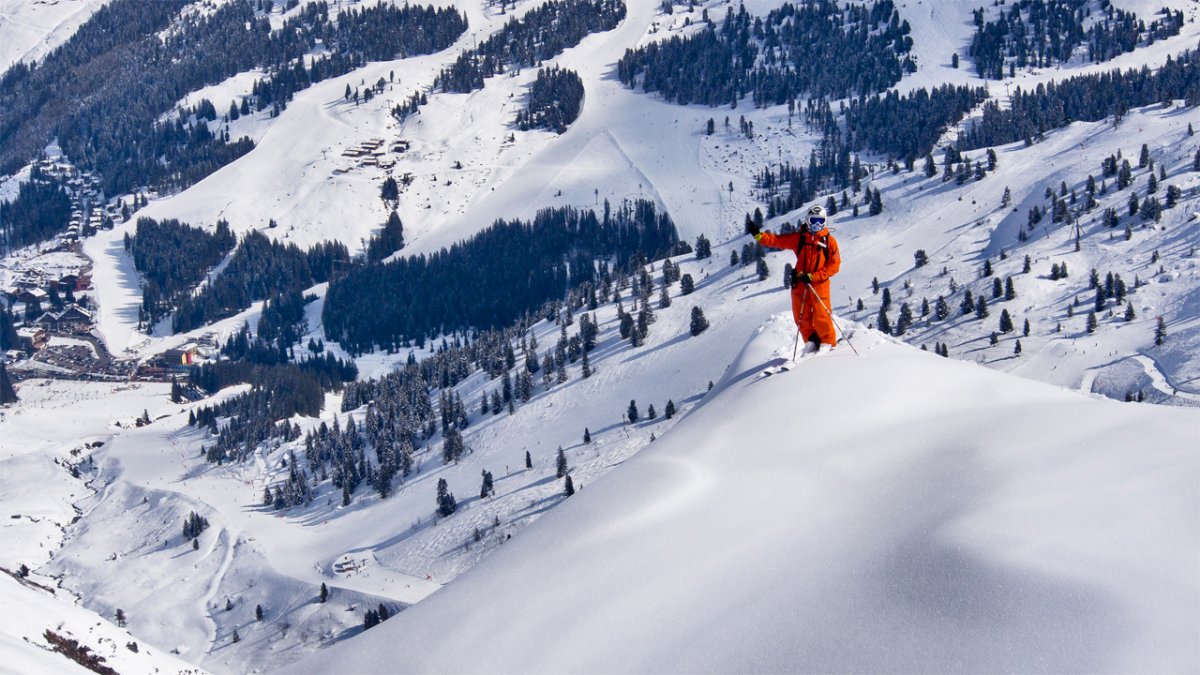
[214,586]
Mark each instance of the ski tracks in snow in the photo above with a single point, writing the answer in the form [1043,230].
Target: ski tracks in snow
[229,539]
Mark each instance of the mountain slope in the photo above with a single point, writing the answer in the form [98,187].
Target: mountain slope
[32,29]
[847,516]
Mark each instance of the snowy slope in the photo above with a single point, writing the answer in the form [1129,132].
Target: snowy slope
[33,28]
[627,145]
[848,517]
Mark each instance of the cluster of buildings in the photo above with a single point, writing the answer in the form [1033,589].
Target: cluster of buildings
[371,153]
[85,193]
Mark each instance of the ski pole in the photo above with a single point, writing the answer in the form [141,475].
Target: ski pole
[796,344]
[835,323]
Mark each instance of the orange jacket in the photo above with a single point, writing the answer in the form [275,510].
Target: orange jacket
[816,254]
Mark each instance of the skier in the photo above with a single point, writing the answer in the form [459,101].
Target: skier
[817,259]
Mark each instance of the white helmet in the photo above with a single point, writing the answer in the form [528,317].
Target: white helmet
[816,218]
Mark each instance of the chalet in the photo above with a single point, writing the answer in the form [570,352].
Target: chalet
[13,355]
[32,295]
[32,338]
[75,319]
[69,282]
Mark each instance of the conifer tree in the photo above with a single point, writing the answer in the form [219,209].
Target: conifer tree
[1006,324]
[1160,332]
[587,436]
[883,323]
[488,488]
[632,413]
[941,309]
[569,487]
[560,463]
[323,595]
[528,460]
[258,613]
[445,499]
[699,323]
[669,412]
[8,394]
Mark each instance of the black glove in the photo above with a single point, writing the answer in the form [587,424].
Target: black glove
[752,227]
[800,278]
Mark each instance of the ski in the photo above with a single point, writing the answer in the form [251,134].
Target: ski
[775,370]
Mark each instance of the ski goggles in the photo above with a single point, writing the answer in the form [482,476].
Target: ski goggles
[816,221]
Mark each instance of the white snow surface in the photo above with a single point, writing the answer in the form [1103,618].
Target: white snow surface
[851,515]
[892,511]
[33,28]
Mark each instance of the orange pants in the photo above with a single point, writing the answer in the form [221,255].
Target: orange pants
[814,322]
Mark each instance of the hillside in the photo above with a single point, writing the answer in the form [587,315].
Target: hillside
[889,510]
[847,516]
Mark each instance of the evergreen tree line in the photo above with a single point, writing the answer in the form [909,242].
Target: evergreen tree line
[540,35]
[277,393]
[172,258]
[1087,98]
[40,210]
[821,49]
[902,126]
[491,279]
[102,93]
[906,126]
[1040,33]
[260,269]
[383,32]
[389,239]
[402,419]
[555,101]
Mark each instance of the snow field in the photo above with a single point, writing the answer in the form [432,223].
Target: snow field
[848,516]
[750,538]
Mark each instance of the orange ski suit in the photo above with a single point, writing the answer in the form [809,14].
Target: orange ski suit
[817,255]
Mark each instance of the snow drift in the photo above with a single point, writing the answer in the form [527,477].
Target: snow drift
[893,511]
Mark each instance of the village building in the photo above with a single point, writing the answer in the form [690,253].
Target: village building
[32,338]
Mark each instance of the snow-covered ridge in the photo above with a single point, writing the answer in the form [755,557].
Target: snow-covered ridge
[847,516]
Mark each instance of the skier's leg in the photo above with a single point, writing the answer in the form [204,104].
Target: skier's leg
[808,328]
[823,323]
[797,307]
